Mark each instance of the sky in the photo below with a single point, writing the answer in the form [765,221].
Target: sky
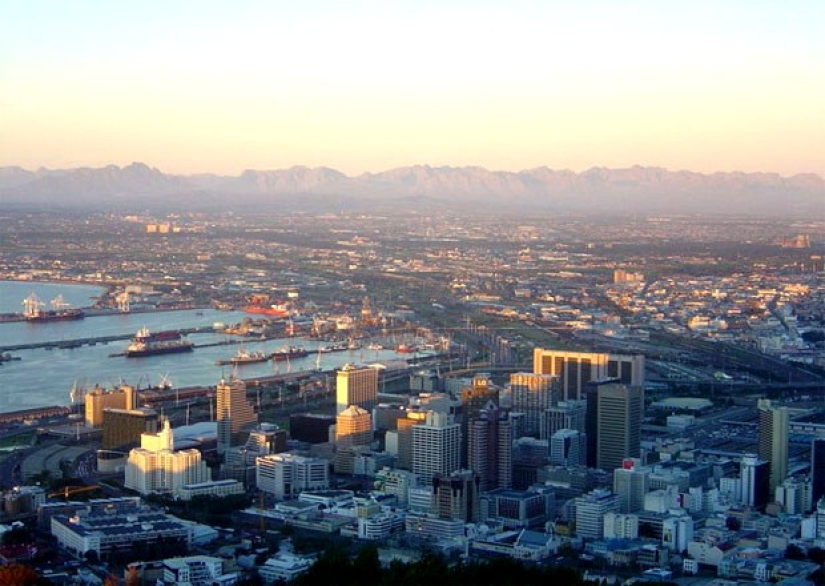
[365,86]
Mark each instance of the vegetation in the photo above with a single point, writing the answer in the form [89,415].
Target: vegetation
[336,567]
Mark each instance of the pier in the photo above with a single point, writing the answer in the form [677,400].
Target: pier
[91,341]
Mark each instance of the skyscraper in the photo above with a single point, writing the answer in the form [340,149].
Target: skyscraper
[564,415]
[455,496]
[532,394]
[436,446]
[817,469]
[754,474]
[356,385]
[353,434]
[491,447]
[235,412]
[773,440]
[631,483]
[613,422]
[568,448]
[576,369]
[473,400]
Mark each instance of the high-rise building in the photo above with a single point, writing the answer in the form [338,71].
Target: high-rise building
[353,433]
[405,437]
[356,385]
[773,440]
[97,400]
[456,496]
[631,483]
[235,413]
[576,369]
[564,415]
[239,462]
[754,474]
[613,422]
[436,446]
[568,448]
[473,399]
[122,428]
[591,509]
[817,469]
[155,467]
[532,394]
[491,448]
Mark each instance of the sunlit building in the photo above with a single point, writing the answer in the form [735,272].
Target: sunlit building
[356,385]
[235,413]
[97,400]
[155,467]
[576,369]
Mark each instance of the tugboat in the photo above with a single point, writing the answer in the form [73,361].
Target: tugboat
[146,343]
[245,357]
[33,310]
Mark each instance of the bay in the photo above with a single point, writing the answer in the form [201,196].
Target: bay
[44,377]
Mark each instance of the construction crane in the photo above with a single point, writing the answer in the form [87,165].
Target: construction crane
[70,490]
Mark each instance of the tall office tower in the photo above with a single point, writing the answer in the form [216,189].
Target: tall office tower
[353,433]
[491,448]
[405,437]
[532,394]
[353,427]
[473,399]
[591,509]
[97,400]
[754,475]
[456,496]
[122,428]
[576,369]
[235,413]
[356,385]
[631,482]
[613,422]
[564,415]
[817,469]
[312,428]
[155,467]
[773,440]
[436,446]
[568,448]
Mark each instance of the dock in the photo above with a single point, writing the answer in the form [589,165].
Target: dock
[91,341]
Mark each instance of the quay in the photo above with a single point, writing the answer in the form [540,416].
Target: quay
[91,341]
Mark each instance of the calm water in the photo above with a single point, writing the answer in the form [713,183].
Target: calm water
[44,377]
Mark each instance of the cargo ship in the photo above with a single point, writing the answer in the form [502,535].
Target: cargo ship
[260,305]
[146,343]
[289,352]
[33,310]
[245,357]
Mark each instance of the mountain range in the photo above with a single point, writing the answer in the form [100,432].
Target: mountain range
[138,187]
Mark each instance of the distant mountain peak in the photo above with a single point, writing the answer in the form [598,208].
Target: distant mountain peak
[540,189]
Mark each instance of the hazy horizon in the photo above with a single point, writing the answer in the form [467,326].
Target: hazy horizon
[409,166]
[364,86]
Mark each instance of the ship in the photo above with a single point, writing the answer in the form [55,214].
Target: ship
[289,352]
[146,343]
[260,305]
[33,310]
[243,356]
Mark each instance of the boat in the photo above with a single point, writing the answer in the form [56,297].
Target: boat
[146,343]
[375,346]
[406,349]
[289,352]
[33,310]
[260,305]
[243,356]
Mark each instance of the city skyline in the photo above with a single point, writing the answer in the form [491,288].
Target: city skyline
[365,87]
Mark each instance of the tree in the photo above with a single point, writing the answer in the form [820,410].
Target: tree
[18,575]
[794,552]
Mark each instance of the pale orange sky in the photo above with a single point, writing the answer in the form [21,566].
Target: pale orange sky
[194,87]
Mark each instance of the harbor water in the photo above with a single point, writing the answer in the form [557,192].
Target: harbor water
[44,377]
